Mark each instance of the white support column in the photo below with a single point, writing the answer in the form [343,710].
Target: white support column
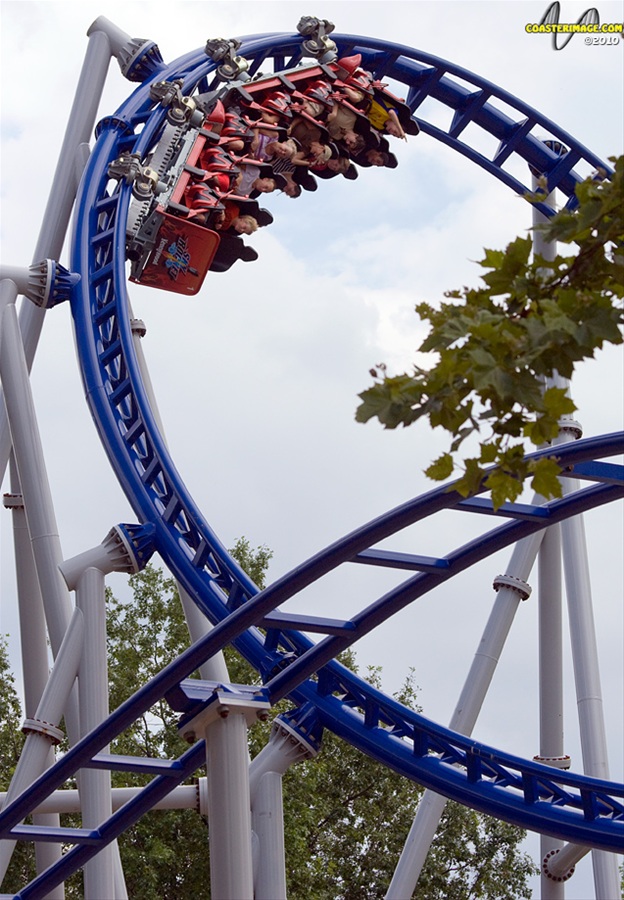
[184,796]
[32,473]
[42,730]
[227,759]
[29,459]
[58,210]
[286,747]
[121,892]
[550,630]
[588,686]
[8,295]
[72,158]
[85,574]
[95,784]
[223,724]
[34,647]
[511,588]
[35,665]
[551,682]
[584,655]
[267,822]
[551,651]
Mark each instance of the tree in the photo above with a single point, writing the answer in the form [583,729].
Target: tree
[164,855]
[495,346]
[11,737]
[346,816]
[22,865]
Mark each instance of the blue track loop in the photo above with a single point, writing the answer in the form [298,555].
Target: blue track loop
[570,807]
[137,451]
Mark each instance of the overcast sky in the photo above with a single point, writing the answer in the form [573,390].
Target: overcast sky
[257,377]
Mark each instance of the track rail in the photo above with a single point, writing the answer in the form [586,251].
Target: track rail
[571,807]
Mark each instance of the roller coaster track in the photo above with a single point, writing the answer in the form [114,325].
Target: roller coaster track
[571,807]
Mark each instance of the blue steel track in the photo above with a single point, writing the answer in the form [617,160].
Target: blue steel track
[570,807]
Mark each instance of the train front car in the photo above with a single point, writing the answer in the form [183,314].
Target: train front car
[194,196]
[166,248]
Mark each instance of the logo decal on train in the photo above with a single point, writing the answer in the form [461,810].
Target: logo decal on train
[178,259]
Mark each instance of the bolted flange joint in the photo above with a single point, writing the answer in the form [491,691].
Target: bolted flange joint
[571,427]
[138,327]
[38,726]
[516,584]
[546,869]
[556,762]
[13,501]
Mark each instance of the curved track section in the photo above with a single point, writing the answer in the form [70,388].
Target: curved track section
[110,370]
[570,807]
[121,410]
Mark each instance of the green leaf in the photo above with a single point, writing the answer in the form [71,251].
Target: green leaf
[471,480]
[545,479]
[557,402]
[441,468]
[489,452]
[504,487]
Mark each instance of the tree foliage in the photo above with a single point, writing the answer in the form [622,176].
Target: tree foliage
[164,854]
[496,347]
[346,816]
[22,866]
[344,842]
